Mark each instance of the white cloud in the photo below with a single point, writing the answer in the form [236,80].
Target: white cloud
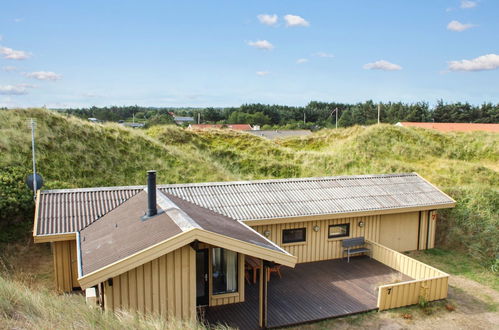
[294,20]
[20,89]
[261,44]
[267,19]
[17,20]
[382,65]
[12,54]
[485,62]
[9,68]
[44,75]
[323,54]
[457,26]
[301,60]
[262,73]
[1,37]
[466,4]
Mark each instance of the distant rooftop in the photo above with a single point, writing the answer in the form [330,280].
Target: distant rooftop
[183,119]
[452,127]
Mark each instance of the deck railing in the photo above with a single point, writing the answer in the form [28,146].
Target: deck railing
[429,283]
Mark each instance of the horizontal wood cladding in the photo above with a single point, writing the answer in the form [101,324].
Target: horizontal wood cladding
[65,265]
[165,286]
[317,245]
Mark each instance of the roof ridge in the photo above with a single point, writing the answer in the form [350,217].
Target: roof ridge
[227,183]
[181,219]
[307,179]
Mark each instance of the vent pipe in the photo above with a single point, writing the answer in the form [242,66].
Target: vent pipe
[151,194]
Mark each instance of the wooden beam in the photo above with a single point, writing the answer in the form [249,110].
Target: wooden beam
[262,307]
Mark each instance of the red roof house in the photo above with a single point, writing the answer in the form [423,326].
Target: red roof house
[452,127]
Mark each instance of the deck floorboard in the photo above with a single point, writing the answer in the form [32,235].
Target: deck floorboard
[310,292]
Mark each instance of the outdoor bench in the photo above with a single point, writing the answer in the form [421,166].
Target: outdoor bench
[349,244]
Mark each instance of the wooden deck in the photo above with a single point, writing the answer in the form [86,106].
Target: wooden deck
[310,292]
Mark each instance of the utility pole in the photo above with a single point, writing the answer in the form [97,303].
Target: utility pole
[336,122]
[199,118]
[33,124]
[304,117]
[379,110]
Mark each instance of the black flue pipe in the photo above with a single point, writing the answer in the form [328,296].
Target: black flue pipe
[151,194]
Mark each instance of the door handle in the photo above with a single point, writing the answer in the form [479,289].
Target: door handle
[206,277]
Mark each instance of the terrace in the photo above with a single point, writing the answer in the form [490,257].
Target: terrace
[332,288]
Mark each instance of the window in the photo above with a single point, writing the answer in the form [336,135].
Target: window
[224,271]
[339,230]
[294,235]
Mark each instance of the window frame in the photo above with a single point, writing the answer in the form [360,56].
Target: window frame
[347,234]
[304,229]
[212,289]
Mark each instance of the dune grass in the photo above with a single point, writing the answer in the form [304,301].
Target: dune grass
[21,307]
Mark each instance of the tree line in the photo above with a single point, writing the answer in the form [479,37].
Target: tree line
[313,115]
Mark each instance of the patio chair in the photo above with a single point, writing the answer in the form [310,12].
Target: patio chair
[274,269]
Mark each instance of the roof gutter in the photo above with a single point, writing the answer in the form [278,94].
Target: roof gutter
[330,216]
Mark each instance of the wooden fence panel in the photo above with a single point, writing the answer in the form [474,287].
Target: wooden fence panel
[429,283]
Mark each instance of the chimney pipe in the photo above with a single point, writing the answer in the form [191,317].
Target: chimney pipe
[151,194]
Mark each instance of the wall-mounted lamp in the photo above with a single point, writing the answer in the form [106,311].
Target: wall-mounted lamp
[266,233]
[316,228]
[361,223]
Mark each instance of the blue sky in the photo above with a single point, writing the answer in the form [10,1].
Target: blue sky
[225,53]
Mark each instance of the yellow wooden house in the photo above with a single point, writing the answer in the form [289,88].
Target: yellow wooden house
[265,253]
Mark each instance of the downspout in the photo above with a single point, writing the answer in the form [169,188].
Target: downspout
[419,229]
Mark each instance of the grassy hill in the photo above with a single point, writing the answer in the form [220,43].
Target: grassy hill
[76,153]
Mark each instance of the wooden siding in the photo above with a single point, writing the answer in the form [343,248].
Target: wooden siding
[165,286]
[65,265]
[318,246]
[423,230]
[433,226]
[400,231]
[429,283]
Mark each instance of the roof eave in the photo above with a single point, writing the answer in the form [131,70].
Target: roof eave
[340,215]
[176,242]
[54,237]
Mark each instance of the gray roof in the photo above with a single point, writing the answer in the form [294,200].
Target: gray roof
[183,118]
[285,198]
[66,211]
[123,232]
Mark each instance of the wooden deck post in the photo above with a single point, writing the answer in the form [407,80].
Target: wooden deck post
[263,295]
